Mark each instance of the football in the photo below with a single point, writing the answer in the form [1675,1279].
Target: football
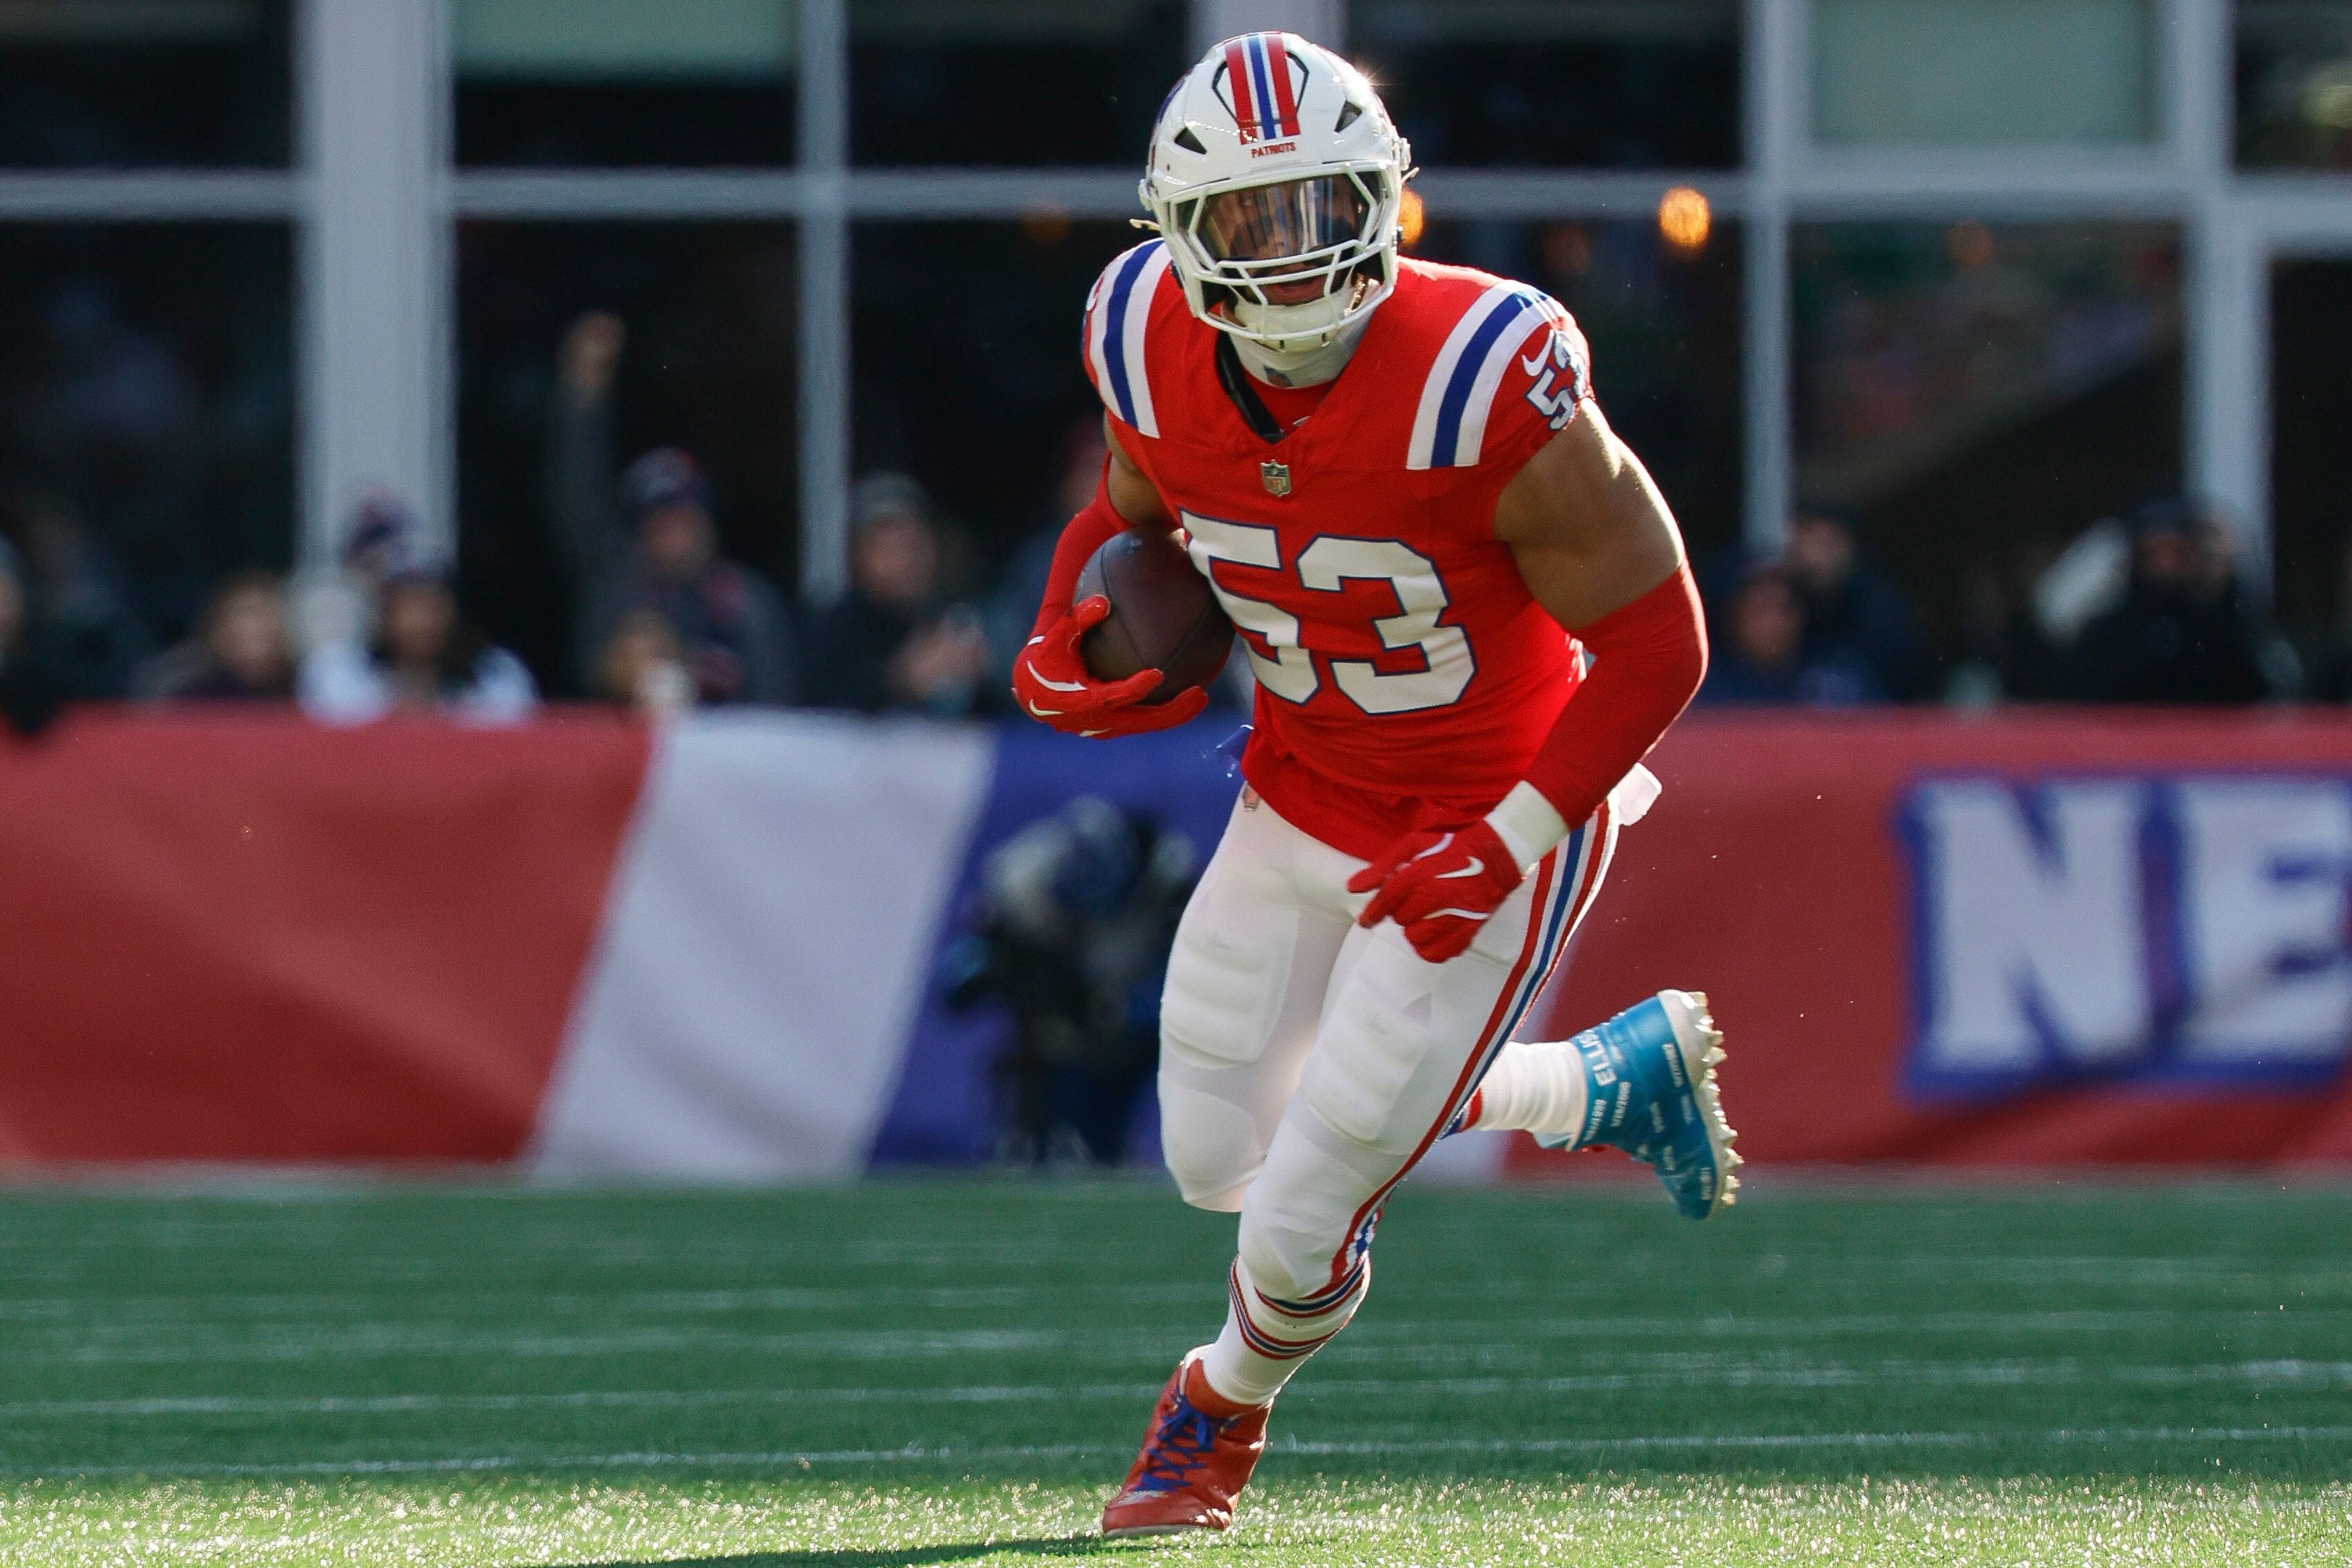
[1163,615]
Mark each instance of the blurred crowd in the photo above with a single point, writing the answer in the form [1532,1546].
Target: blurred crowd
[2148,608]
[2152,607]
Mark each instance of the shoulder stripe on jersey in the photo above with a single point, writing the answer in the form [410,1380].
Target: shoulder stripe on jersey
[1450,425]
[1115,337]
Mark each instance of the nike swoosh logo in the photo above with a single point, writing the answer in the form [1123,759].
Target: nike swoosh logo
[1477,867]
[1045,712]
[1057,685]
[1457,914]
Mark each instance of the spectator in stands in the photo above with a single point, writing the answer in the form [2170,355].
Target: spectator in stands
[425,658]
[88,636]
[337,604]
[1759,655]
[242,651]
[1012,604]
[650,543]
[644,669]
[2005,652]
[29,692]
[2183,632]
[1854,615]
[888,643]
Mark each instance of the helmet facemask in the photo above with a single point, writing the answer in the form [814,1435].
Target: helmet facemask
[1288,263]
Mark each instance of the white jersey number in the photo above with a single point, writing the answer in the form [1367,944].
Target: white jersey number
[1328,565]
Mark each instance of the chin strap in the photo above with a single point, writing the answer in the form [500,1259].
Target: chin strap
[1295,367]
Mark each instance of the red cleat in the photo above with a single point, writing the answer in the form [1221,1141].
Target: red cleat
[1198,1452]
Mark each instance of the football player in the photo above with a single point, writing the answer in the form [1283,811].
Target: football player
[1470,618]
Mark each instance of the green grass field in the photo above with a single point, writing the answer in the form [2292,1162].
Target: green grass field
[955,1373]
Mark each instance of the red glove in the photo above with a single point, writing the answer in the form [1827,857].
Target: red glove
[1439,887]
[1051,683]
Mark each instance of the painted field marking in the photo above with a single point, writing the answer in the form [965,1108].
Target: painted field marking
[297,1342]
[790,1459]
[2305,1375]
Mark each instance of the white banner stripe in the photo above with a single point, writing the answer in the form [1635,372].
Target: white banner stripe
[751,1001]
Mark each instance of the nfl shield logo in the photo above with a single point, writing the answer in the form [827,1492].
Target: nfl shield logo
[1277,476]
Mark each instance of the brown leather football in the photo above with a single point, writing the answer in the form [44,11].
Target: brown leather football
[1163,615]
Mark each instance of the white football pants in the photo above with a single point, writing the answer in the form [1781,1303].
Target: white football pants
[1307,1063]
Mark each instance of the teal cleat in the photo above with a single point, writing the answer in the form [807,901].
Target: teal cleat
[1649,1074]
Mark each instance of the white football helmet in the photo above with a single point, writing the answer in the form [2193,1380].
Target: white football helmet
[1278,179]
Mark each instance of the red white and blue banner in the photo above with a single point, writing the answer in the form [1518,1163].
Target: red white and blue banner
[581,949]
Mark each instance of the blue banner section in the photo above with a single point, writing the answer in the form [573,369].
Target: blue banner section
[954,1101]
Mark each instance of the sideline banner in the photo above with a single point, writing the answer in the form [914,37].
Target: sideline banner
[2033,940]
[2045,938]
[239,937]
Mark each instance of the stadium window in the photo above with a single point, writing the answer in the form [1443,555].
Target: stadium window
[711,315]
[977,390]
[1568,83]
[146,406]
[86,84]
[2295,84]
[984,83]
[2311,401]
[1983,73]
[620,83]
[1664,323]
[1979,394]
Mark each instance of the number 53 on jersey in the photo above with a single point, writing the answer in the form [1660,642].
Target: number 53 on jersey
[1272,635]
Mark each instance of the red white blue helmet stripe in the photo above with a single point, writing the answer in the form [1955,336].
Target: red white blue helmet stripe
[1257,73]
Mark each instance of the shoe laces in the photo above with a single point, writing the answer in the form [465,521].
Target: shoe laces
[1186,1436]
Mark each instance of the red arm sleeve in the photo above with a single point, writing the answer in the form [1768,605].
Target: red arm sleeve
[1648,659]
[1085,533]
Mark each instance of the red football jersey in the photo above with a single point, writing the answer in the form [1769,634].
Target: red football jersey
[1405,676]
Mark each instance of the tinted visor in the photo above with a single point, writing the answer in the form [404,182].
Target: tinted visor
[1269,223]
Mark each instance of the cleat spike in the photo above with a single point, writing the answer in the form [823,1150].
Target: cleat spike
[1715,1053]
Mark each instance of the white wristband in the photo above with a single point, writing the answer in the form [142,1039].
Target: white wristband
[1527,823]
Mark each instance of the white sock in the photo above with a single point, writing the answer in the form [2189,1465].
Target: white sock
[1263,1341]
[1535,1086]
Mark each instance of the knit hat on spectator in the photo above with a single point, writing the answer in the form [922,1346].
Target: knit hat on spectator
[383,536]
[665,477]
[887,494]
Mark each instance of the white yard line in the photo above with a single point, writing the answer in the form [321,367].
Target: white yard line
[806,1459]
[99,1344]
[2000,1373]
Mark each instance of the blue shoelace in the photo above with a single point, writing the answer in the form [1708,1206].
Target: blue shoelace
[1181,1445]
